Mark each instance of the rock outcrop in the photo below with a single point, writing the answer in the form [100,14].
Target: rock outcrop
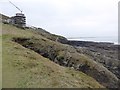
[105,53]
[69,56]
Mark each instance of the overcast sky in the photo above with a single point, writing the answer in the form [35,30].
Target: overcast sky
[70,18]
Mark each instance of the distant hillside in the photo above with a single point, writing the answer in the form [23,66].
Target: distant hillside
[4,16]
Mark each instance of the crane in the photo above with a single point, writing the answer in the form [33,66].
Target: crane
[19,19]
[15,6]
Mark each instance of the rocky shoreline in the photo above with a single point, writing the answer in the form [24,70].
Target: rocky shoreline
[91,58]
[105,53]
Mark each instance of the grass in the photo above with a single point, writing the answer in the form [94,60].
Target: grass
[0,62]
[0,55]
[24,68]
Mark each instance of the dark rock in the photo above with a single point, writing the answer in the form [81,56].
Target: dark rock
[71,57]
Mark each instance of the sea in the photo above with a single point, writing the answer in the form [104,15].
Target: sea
[110,39]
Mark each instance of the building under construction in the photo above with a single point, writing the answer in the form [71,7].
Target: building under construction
[18,20]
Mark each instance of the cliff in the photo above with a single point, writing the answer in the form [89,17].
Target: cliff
[37,58]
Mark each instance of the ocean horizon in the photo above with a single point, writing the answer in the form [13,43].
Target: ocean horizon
[111,39]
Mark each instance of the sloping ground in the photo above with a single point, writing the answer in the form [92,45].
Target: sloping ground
[67,56]
[0,62]
[24,68]
[106,55]
[62,54]
[50,36]
[0,54]
[4,16]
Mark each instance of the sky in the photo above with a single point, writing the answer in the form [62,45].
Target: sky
[69,18]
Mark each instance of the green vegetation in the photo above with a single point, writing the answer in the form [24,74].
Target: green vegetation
[0,61]
[66,55]
[24,68]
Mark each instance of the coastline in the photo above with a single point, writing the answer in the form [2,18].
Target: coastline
[105,53]
[96,39]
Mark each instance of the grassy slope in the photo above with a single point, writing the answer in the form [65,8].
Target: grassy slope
[67,55]
[0,61]
[25,68]
[0,55]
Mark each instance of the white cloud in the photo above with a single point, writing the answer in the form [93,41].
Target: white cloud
[69,17]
